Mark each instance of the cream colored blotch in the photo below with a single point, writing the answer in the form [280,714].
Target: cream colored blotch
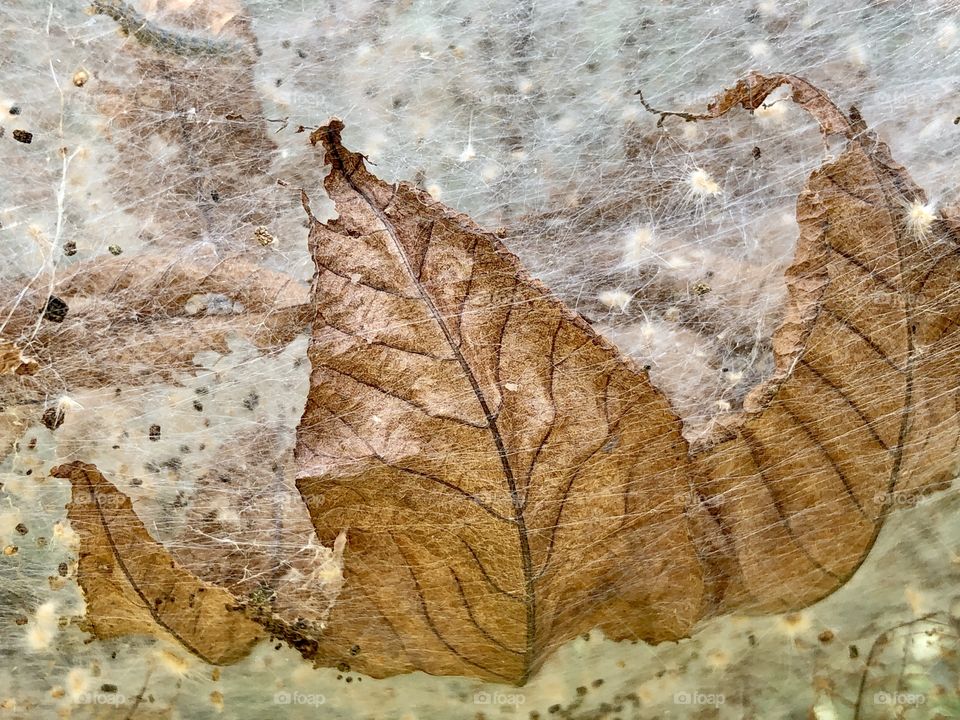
[43,628]
[614,299]
[702,184]
[77,683]
[920,219]
[637,247]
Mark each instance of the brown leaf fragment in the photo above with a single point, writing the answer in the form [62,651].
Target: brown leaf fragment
[143,319]
[863,401]
[13,361]
[133,587]
[507,479]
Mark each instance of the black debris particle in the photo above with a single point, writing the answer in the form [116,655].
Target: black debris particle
[854,652]
[343,666]
[251,401]
[55,309]
[21,528]
[108,688]
[52,418]
[23,136]
[62,569]
[756,153]
[15,110]
[355,650]
[154,433]
[198,406]
[115,249]
[70,248]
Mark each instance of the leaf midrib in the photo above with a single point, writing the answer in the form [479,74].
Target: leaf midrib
[336,149]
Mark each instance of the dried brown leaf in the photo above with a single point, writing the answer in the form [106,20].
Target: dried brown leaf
[503,470]
[862,406]
[143,319]
[133,587]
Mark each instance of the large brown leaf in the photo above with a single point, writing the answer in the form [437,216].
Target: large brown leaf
[132,586]
[507,477]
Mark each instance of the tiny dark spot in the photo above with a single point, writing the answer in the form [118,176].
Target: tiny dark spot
[553,709]
[108,688]
[32,445]
[355,650]
[202,390]
[278,82]
[21,620]
[646,24]
[285,44]
[826,636]
[29,472]
[648,367]
[251,401]
[154,433]
[198,406]
[21,528]
[116,447]
[343,666]
[52,418]
[339,677]
[349,679]
[55,309]
[581,691]
[15,110]
[956,120]
[854,652]
[136,482]
[185,449]
[69,248]
[113,655]
[62,569]
[215,196]
[23,136]
[597,683]
[278,646]
[752,639]
[301,54]
[756,152]
[115,250]
[724,369]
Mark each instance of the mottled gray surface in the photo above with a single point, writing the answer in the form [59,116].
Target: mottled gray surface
[524,115]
